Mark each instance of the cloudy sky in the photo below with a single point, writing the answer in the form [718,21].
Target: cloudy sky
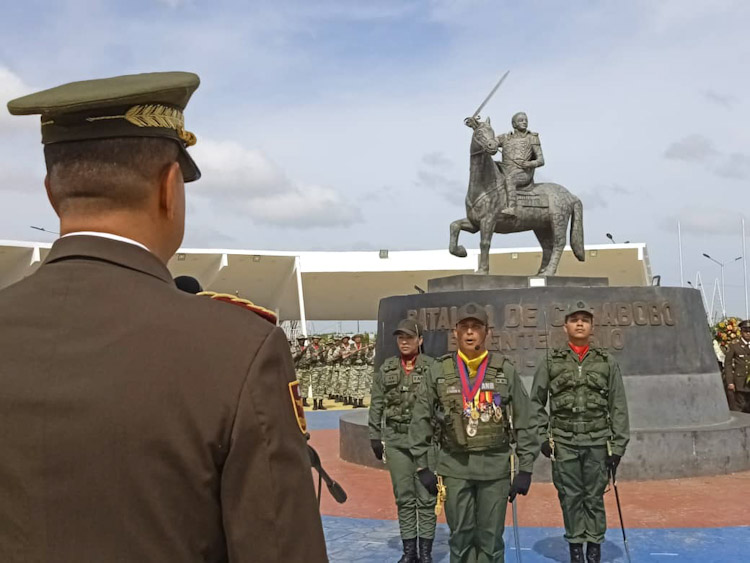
[333,124]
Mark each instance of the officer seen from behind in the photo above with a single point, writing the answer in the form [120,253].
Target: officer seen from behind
[394,391]
[586,431]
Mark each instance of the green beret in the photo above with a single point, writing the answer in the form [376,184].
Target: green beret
[136,105]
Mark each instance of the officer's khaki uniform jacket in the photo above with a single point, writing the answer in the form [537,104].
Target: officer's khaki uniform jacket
[737,365]
[141,424]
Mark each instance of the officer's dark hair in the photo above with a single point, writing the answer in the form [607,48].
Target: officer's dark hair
[106,174]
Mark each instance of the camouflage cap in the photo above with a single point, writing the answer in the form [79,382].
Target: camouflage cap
[136,105]
[744,325]
[409,327]
[578,306]
[472,311]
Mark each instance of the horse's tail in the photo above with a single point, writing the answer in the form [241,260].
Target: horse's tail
[576,230]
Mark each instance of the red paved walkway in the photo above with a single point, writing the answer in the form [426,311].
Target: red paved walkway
[698,502]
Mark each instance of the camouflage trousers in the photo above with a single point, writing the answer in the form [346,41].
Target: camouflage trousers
[343,380]
[303,376]
[330,382]
[318,380]
[360,380]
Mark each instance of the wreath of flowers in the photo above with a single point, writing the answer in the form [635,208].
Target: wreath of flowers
[726,331]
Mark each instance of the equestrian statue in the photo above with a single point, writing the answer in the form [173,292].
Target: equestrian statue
[503,198]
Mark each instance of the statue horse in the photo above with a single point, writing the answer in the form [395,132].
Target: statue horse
[543,208]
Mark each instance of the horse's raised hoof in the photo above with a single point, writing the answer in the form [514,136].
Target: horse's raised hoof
[459,251]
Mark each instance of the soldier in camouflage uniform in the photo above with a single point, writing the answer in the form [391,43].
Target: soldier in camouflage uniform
[315,356]
[737,369]
[394,391]
[300,368]
[343,361]
[482,408]
[330,347]
[586,431]
[360,374]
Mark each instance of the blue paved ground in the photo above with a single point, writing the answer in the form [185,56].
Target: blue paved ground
[377,541]
[323,420]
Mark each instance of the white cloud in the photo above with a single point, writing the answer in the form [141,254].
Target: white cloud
[11,87]
[693,148]
[705,220]
[245,181]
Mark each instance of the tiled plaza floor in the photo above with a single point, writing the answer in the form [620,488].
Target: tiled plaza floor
[704,519]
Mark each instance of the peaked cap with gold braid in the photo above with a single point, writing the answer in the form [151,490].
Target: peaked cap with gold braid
[136,105]
[267,314]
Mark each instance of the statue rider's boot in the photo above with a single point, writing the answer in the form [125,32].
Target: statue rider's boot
[510,209]
[410,551]
[425,550]
[593,553]
[576,553]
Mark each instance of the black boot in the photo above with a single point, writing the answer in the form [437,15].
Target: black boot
[425,550]
[593,553]
[315,404]
[304,401]
[410,551]
[358,404]
[320,405]
[576,553]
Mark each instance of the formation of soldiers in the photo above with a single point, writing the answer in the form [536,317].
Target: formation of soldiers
[339,369]
[460,432]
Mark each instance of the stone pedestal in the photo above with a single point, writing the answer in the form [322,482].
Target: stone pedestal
[680,422]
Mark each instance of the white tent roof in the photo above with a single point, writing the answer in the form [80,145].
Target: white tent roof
[349,285]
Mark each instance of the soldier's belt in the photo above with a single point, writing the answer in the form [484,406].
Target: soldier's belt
[580,427]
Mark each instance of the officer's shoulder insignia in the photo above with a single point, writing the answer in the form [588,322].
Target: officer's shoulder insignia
[497,360]
[267,314]
[298,406]
[391,363]
[444,357]
[603,352]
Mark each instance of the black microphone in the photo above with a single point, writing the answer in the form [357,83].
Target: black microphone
[336,490]
[477,348]
[188,284]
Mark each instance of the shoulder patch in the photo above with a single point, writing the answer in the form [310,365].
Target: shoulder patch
[297,406]
[391,363]
[267,314]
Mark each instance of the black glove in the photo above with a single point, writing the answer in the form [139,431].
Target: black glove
[546,449]
[613,461]
[520,485]
[377,448]
[428,480]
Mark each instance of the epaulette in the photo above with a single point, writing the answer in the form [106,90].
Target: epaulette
[267,314]
[603,352]
[558,353]
[444,357]
[497,359]
[391,363]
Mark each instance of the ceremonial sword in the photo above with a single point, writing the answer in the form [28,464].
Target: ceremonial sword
[492,93]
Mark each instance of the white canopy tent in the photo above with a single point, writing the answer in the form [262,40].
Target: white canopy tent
[349,285]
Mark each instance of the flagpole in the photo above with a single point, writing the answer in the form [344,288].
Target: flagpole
[744,268]
[679,245]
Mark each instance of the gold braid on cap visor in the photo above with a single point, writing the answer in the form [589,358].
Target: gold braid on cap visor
[154,115]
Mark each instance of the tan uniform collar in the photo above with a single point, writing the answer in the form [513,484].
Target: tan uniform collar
[108,250]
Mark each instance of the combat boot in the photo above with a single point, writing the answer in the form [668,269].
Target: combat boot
[593,553]
[315,404]
[304,401]
[576,553]
[320,406]
[358,403]
[410,551]
[425,550]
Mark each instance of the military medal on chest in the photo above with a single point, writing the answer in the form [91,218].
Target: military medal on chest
[474,410]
